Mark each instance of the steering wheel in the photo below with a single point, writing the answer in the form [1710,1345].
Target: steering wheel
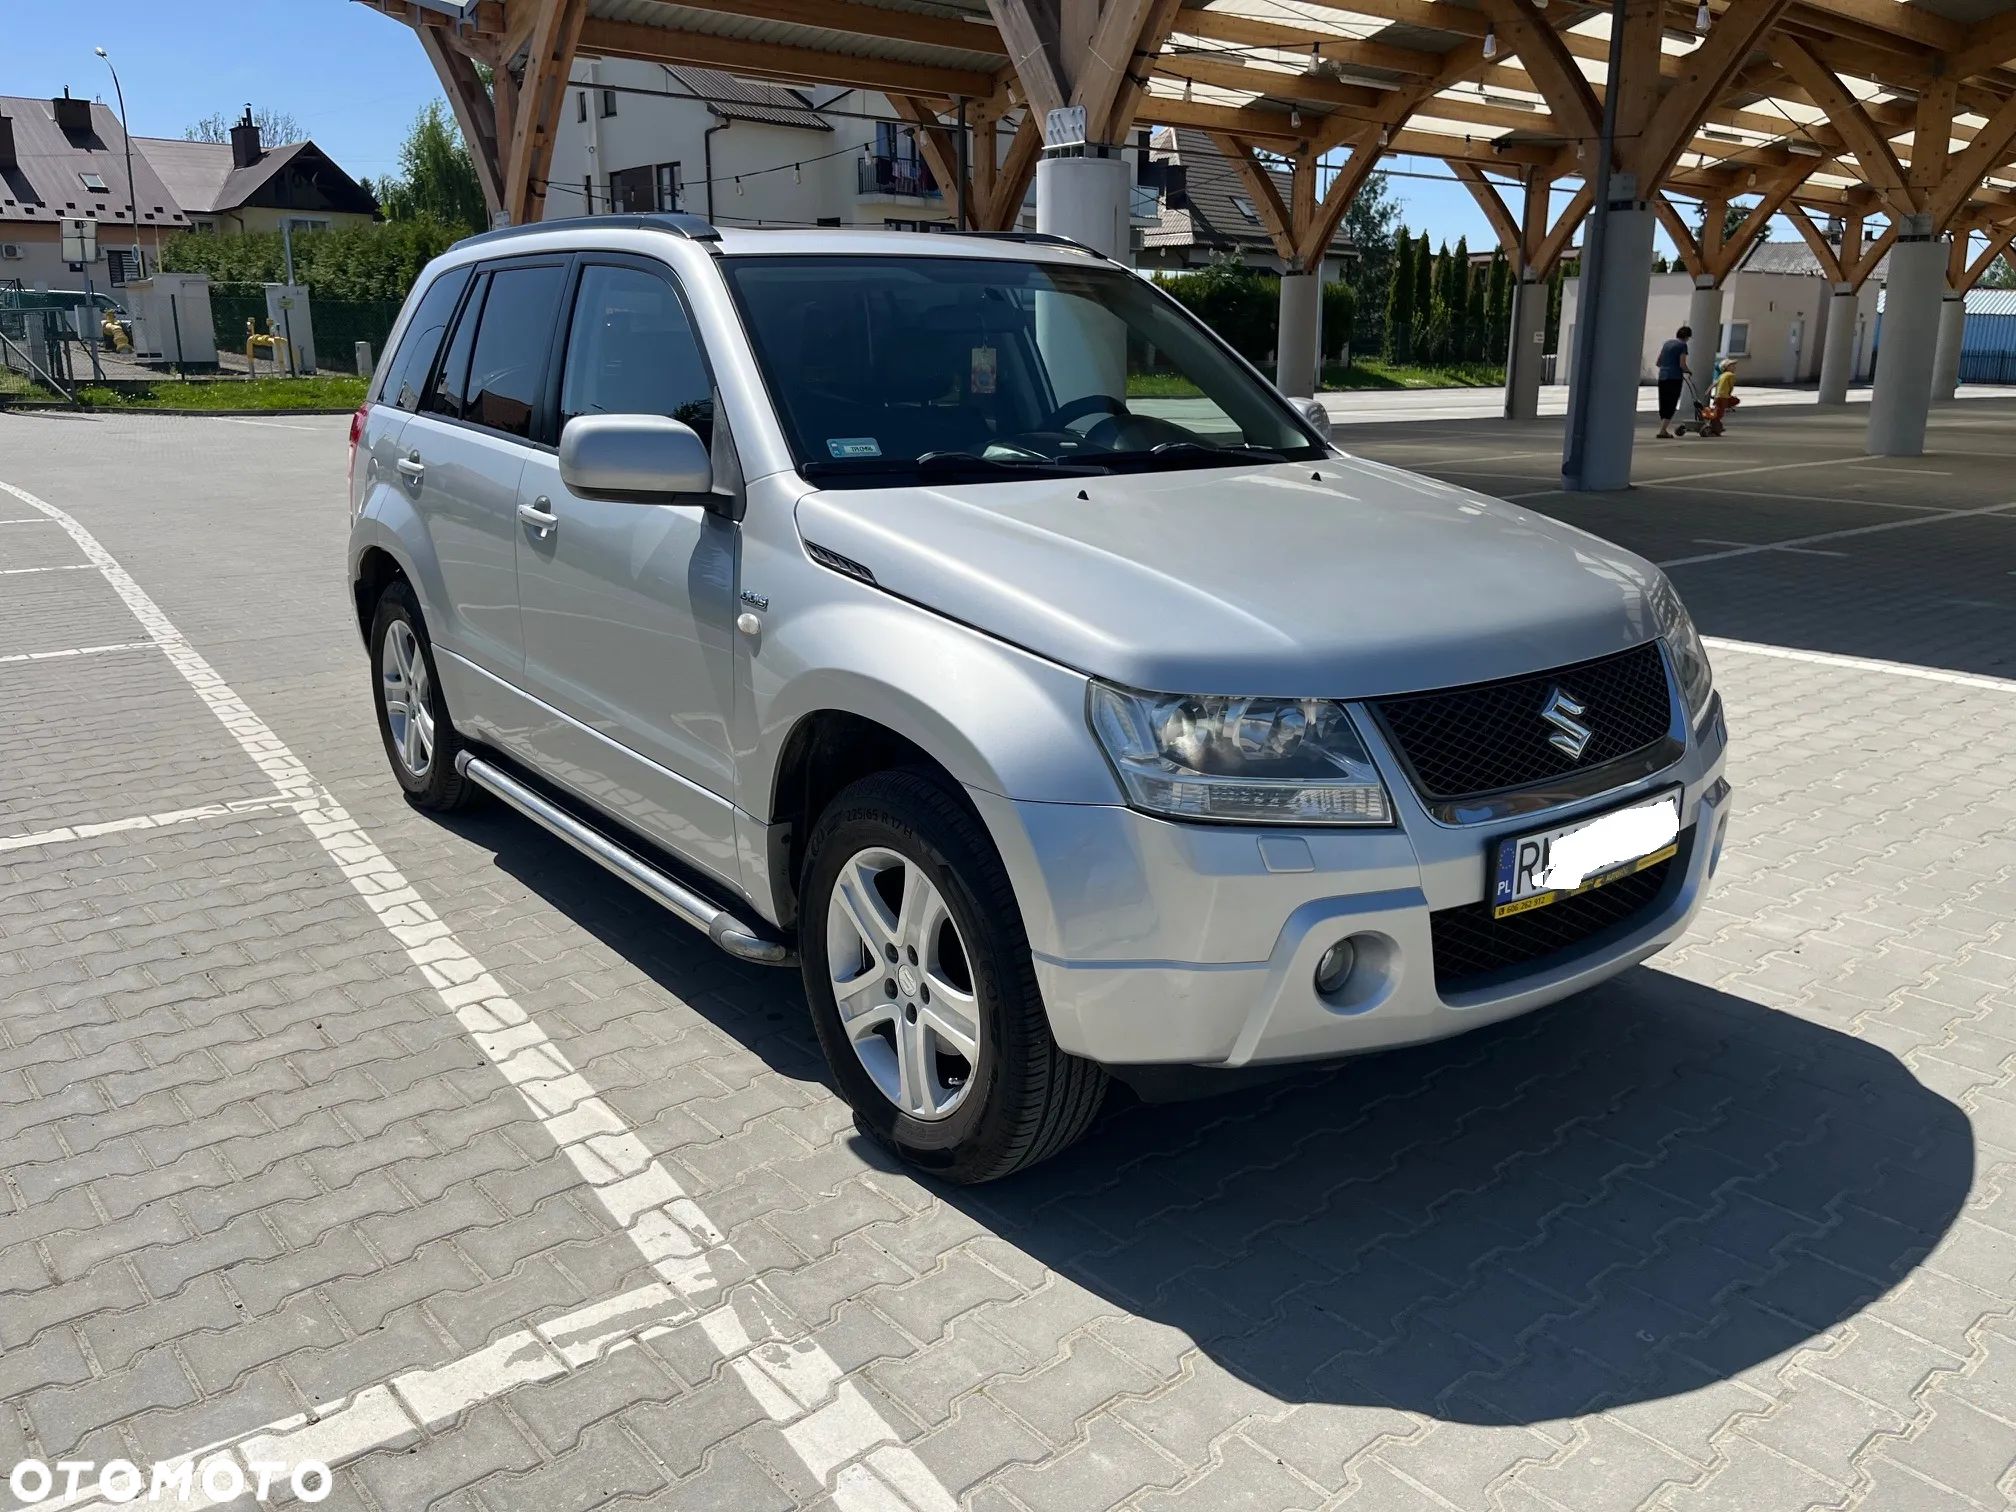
[1077,409]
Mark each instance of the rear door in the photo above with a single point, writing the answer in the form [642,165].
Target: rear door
[464,450]
[626,608]
[402,380]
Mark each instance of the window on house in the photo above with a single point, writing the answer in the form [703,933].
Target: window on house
[668,186]
[92,181]
[608,102]
[1736,339]
[631,190]
[581,105]
[1245,207]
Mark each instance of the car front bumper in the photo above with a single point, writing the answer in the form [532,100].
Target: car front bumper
[1159,943]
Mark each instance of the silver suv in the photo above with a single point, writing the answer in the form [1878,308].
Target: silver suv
[959,619]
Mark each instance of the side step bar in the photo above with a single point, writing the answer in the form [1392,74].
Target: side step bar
[744,941]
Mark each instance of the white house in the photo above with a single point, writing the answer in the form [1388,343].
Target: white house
[1775,309]
[644,136]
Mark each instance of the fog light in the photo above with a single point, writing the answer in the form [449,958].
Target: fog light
[1335,967]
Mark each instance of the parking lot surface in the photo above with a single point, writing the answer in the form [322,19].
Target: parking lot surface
[335,1131]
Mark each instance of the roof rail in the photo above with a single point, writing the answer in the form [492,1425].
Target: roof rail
[673,222]
[1036,238]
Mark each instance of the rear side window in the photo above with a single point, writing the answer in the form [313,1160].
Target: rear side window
[406,373]
[514,342]
[451,383]
[632,351]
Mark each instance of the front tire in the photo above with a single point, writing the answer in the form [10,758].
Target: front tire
[918,975]
[420,739]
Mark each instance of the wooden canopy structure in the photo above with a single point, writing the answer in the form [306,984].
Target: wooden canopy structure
[1851,110]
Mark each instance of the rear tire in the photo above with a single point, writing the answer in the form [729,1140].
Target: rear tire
[905,838]
[420,739]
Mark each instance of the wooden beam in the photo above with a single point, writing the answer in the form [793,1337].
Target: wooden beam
[1870,255]
[1548,64]
[535,113]
[1536,204]
[1738,242]
[1558,240]
[475,113]
[1704,77]
[1963,174]
[776,60]
[1226,26]
[1252,121]
[1491,202]
[938,144]
[1873,154]
[1931,133]
[1133,84]
[1275,217]
[1336,203]
[1991,45]
[1108,60]
[1029,54]
[1822,249]
[1268,83]
[857,20]
[1682,234]
[1423,13]
[1910,23]
[1011,183]
[1998,243]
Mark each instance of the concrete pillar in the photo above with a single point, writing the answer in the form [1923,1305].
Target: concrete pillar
[1917,277]
[1946,361]
[1298,337]
[1837,355]
[1083,197]
[1704,315]
[1608,385]
[1525,349]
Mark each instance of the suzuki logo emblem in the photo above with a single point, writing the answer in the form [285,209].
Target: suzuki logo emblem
[1561,711]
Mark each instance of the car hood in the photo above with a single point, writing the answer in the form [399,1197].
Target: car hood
[1339,578]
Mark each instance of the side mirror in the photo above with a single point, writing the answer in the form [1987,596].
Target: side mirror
[639,459]
[1312,410]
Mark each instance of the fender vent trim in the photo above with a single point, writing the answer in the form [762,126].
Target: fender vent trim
[844,565]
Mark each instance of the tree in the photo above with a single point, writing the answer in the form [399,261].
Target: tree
[2000,275]
[1371,227]
[275,126]
[1424,285]
[437,179]
[1497,305]
[1397,340]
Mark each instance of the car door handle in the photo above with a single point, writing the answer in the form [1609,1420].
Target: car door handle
[413,467]
[538,516]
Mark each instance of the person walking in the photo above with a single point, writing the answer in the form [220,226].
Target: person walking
[1672,373]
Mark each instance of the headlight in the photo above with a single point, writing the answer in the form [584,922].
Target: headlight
[1690,657]
[1240,760]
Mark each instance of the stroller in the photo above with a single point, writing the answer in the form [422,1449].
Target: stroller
[1708,414]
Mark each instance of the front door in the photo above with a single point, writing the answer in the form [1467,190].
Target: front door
[627,608]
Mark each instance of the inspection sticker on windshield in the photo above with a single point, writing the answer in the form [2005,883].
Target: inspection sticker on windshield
[854,446]
[1532,871]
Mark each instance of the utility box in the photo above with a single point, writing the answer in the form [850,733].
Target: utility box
[171,320]
[287,314]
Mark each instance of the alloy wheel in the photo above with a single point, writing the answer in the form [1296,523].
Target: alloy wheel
[903,982]
[409,712]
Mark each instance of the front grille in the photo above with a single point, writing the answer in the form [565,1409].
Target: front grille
[1472,948]
[1483,739]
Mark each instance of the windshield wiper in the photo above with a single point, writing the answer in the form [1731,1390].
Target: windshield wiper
[950,464]
[1193,454]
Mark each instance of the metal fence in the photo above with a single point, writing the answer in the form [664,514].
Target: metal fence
[1988,367]
[339,323]
[35,342]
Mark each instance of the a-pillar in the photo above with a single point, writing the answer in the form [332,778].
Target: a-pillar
[1952,328]
[1903,395]
[1610,339]
[1525,349]
[1704,317]
[1082,194]
[1298,336]
[1837,355]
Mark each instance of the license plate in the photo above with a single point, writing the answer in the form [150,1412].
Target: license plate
[1532,871]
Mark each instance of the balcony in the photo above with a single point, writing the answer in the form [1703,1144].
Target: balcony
[901,178]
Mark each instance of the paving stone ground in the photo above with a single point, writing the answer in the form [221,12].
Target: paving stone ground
[1737,1230]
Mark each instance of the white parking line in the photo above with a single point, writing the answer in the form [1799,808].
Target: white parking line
[142,822]
[31,520]
[385,1416]
[36,656]
[1981,680]
[835,1430]
[65,567]
[1837,535]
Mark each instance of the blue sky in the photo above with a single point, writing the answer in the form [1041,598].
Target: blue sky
[353,78]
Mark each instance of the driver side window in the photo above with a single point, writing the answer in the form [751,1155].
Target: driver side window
[632,351]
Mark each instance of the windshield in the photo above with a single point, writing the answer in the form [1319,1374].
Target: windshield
[937,366]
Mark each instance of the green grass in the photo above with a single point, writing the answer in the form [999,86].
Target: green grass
[326,391]
[1383,375]
[14,386]
[1161,386]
